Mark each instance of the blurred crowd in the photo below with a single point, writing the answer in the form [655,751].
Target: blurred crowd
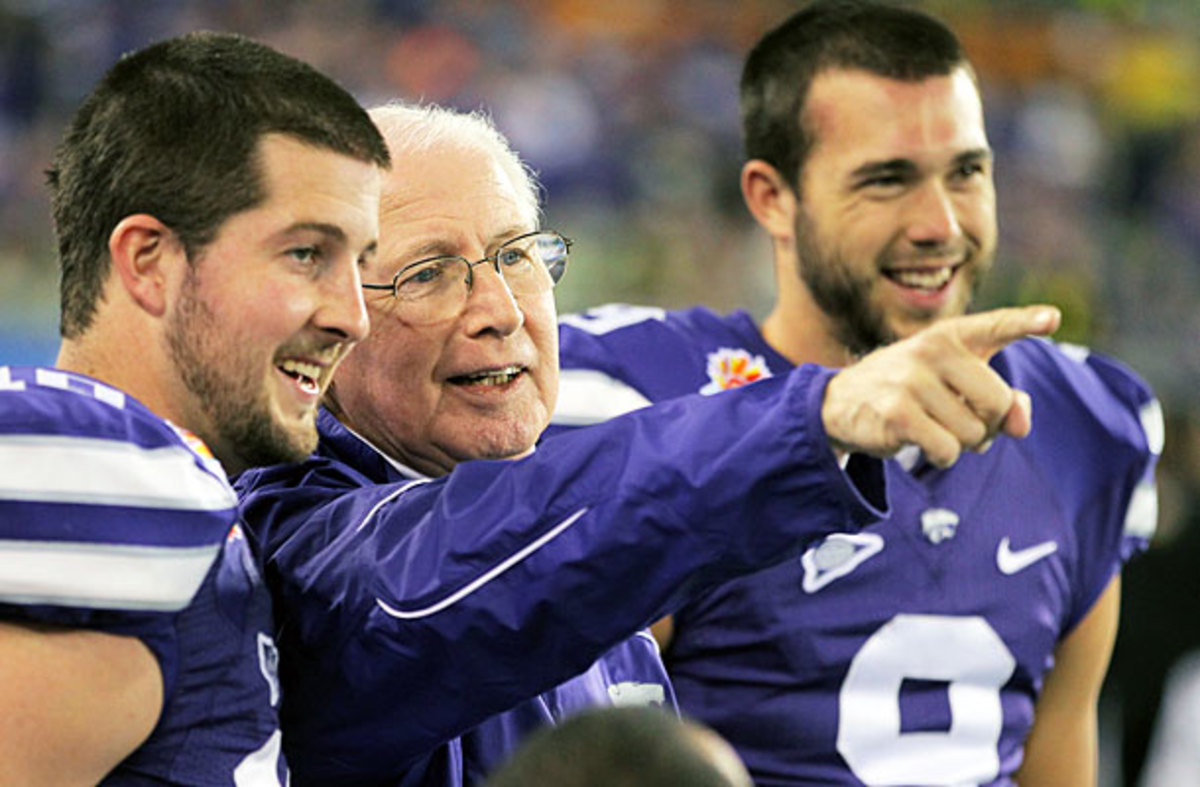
[627,109]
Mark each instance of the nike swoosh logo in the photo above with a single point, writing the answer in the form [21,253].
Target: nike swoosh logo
[1010,562]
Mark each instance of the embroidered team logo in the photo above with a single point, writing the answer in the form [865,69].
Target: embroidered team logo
[733,368]
[939,524]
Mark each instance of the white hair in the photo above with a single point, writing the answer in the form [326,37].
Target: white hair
[412,129]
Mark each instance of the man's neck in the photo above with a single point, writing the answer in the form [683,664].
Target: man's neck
[401,468]
[803,335]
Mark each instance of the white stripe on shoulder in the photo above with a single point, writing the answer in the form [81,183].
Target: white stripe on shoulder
[62,469]
[1076,352]
[102,576]
[484,578]
[1141,518]
[612,317]
[586,396]
[1151,416]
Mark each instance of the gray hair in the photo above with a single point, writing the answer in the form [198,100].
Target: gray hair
[411,129]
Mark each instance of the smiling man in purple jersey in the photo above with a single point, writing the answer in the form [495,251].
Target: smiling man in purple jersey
[213,201]
[964,639]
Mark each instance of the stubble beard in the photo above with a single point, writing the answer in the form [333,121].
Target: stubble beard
[232,400]
[842,296]
[845,298]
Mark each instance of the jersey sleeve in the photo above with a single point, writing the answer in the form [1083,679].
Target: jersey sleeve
[1112,436]
[618,358]
[108,520]
[596,382]
[413,612]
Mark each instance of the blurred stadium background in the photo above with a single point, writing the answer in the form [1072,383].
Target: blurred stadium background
[628,111]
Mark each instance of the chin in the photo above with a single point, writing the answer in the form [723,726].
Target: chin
[304,443]
[300,432]
[488,444]
[294,438]
[505,452]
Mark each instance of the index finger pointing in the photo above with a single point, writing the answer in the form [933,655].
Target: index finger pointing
[987,333]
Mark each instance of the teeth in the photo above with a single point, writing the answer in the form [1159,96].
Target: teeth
[922,279]
[494,377]
[306,373]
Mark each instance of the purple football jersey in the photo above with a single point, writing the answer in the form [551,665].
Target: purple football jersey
[912,651]
[111,519]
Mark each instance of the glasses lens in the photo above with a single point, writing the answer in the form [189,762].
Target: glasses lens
[550,250]
[433,289]
[523,264]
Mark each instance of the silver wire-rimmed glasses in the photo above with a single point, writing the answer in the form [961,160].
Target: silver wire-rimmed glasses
[436,288]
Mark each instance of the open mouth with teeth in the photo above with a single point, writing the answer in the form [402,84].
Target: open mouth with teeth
[306,375]
[490,377]
[925,279]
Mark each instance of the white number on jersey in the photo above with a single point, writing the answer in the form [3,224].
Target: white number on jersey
[970,657]
[261,768]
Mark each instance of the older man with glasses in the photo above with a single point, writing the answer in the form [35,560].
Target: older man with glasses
[429,619]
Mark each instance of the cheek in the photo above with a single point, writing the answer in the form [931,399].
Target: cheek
[542,325]
[387,369]
[977,213]
[985,228]
[274,303]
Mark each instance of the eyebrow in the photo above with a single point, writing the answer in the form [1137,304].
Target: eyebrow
[330,230]
[975,154]
[907,167]
[892,167]
[444,248]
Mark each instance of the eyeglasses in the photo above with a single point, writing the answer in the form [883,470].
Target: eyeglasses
[432,289]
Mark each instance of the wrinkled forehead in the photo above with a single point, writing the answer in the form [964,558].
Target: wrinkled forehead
[448,170]
[452,195]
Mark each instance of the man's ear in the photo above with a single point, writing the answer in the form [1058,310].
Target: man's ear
[769,197]
[145,254]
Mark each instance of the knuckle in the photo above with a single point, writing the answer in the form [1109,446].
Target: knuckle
[942,453]
[910,377]
[994,409]
[926,347]
[977,431]
[895,409]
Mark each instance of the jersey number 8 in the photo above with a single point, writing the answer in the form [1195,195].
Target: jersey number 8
[965,653]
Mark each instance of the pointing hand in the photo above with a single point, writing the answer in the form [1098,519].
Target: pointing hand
[935,389]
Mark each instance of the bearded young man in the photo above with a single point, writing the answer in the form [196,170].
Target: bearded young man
[964,640]
[213,201]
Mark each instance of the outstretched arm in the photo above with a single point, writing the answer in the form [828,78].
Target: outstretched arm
[410,614]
